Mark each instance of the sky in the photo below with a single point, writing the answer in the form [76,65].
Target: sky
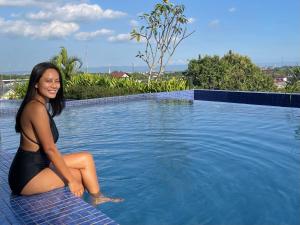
[97,31]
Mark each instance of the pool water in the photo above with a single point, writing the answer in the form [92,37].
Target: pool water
[177,162]
[9,104]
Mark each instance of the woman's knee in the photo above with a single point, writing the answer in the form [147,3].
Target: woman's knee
[88,157]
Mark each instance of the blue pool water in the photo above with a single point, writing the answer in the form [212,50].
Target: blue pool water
[177,162]
[9,104]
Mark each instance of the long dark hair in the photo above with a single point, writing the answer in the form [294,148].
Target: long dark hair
[57,103]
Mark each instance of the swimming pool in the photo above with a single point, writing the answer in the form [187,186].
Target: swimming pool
[177,162]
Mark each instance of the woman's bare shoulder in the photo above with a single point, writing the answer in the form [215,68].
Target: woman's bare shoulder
[34,108]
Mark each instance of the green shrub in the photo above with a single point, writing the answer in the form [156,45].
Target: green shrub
[82,92]
[18,90]
[174,84]
[84,86]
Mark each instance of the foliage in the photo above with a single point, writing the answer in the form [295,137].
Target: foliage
[163,29]
[278,71]
[138,76]
[94,91]
[84,86]
[19,90]
[13,76]
[88,80]
[293,81]
[207,72]
[68,66]
[172,84]
[92,86]
[174,74]
[230,72]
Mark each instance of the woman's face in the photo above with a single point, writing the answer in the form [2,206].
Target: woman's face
[48,84]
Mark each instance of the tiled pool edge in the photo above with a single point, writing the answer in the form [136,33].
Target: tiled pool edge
[247,97]
[55,207]
[184,95]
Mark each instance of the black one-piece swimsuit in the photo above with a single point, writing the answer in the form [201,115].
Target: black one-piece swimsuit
[27,164]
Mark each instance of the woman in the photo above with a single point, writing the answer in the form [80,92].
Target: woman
[38,166]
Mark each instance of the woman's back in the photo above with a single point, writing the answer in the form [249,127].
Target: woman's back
[29,137]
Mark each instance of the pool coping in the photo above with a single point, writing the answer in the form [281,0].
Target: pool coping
[244,97]
[249,97]
[182,95]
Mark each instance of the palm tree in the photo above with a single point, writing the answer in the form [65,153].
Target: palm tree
[67,65]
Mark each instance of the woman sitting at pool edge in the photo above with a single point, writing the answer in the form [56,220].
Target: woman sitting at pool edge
[38,166]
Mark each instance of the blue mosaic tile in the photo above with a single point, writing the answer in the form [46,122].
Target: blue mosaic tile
[295,100]
[56,207]
[91,221]
[32,223]
[257,98]
[3,220]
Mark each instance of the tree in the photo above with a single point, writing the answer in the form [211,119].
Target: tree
[163,30]
[230,72]
[206,72]
[293,80]
[68,66]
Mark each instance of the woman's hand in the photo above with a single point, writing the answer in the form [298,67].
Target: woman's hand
[76,188]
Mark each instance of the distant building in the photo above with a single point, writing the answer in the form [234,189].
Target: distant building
[119,74]
[280,82]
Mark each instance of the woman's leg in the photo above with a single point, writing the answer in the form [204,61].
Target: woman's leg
[47,180]
[83,169]
[84,162]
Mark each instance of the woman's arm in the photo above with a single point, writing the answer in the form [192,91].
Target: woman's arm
[40,121]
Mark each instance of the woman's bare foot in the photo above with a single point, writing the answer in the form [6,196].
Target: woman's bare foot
[102,199]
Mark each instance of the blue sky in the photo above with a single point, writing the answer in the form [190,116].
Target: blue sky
[31,31]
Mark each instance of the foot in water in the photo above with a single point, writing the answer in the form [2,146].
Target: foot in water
[102,199]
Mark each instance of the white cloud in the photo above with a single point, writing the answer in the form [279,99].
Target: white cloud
[23,3]
[120,38]
[134,23]
[232,9]
[214,23]
[15,15]
[111,14]
[76,12]
[191,20]
[84,36]
[17,2]
[125,38]
[51,30]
